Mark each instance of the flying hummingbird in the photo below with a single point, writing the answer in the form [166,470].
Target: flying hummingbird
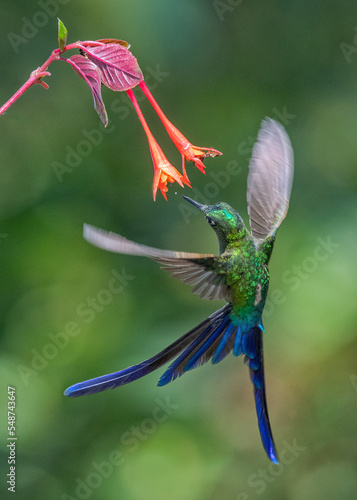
[238,274]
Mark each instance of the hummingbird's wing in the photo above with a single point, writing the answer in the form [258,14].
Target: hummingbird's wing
[199,270]
[271,170]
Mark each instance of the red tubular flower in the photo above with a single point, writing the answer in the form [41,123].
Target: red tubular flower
[164,172]
[109,62]
[187,150]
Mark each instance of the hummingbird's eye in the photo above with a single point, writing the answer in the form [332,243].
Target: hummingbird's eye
[211,222]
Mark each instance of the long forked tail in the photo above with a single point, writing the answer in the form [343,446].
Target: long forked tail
[194,341]
[256,368]
[214,338]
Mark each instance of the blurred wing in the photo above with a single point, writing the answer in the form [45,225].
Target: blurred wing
[118,244]
[270,179]
[198,270]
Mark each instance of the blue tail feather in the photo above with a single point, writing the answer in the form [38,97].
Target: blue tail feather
[237,349]
[250,341]
[257,377]
[195,353]
[194,361]
[223,348]
[135,372]
[172,372]
[212,339]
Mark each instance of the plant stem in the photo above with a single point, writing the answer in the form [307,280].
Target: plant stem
[153,103]
[145,126]
[37,75]
[176,136]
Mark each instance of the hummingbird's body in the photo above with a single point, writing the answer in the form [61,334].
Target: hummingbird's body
[238,274]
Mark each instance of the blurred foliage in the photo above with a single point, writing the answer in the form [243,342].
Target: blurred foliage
[224,66]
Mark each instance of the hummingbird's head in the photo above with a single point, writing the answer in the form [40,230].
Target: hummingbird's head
[224,220]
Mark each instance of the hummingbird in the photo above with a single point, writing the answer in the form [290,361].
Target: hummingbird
[238,274]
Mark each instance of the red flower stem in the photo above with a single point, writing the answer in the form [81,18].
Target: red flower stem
[176,136]
[31,81]
[167,124]
[140,115]
[37,75]
[152,101]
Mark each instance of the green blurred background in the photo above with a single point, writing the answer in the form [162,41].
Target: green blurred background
[220,68]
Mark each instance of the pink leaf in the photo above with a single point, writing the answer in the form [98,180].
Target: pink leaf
[91,74]
[118,67]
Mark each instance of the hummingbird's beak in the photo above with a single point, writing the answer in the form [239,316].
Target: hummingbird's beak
[195,203]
